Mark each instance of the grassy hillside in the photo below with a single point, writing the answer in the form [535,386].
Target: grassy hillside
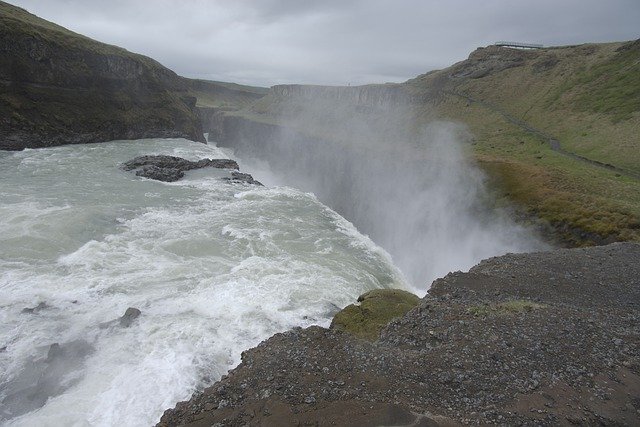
[223,95]
[584,100]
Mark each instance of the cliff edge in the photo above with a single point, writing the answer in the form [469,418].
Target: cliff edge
[58,87]
[547,338]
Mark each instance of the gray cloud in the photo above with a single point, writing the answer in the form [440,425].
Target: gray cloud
[331,42]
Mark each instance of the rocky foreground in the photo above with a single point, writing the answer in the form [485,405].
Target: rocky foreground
[547,338]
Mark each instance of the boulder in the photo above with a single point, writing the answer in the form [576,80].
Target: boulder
[242,178]
[42,378]
[129,316]
[37,308]
[377,308]
[160,174]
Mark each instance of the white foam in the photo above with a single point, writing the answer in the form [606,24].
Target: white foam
[214,267]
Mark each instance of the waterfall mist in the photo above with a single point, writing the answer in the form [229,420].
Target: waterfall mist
[410,187]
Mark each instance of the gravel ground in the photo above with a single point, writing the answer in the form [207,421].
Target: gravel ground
[550,338]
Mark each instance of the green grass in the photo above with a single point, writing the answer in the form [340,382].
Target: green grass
[18,21]
[223,96]
[612,87]
[584,203]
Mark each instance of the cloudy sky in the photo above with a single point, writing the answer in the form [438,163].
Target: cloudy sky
[267,42]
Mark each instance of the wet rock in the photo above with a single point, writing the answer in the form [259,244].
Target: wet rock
[55,351]
[242,178]
[171,168]
[37,308]
[160,174]
[129,316]
[44,377]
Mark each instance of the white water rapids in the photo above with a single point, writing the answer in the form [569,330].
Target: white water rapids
[214,267]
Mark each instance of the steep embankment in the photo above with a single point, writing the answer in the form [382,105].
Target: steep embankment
[58,87]
[546,338]
[557,129]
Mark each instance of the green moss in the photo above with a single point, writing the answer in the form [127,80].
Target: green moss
[505,308]
[377,308]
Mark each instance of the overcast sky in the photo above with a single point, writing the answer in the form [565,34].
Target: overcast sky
[267,42]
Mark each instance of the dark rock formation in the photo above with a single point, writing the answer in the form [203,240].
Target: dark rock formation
[530,339]
[492,59]
[129,316]
[36,309]
[242,178]
[58,87]
[43,378]
[160,174]
[171,168]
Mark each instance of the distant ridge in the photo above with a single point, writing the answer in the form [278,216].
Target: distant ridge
[519,45]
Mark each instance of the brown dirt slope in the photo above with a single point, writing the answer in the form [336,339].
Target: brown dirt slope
[530,339]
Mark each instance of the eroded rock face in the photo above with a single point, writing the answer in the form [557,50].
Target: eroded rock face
[58,87]
[550,338]
[491,59]
[171,168]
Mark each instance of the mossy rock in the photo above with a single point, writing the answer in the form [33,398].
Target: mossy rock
[377,308]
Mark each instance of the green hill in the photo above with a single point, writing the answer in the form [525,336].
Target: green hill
[558,129]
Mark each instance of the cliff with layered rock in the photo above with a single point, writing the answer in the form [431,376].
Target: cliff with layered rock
[58,87]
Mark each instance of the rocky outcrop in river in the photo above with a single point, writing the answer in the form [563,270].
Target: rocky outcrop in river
[171,168]
[548,338]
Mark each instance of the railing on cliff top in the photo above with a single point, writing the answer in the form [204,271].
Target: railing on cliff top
[519,45]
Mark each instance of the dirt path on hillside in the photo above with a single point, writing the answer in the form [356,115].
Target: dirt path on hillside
[553,142]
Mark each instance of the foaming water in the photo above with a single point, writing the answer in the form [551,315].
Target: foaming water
[214,267]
